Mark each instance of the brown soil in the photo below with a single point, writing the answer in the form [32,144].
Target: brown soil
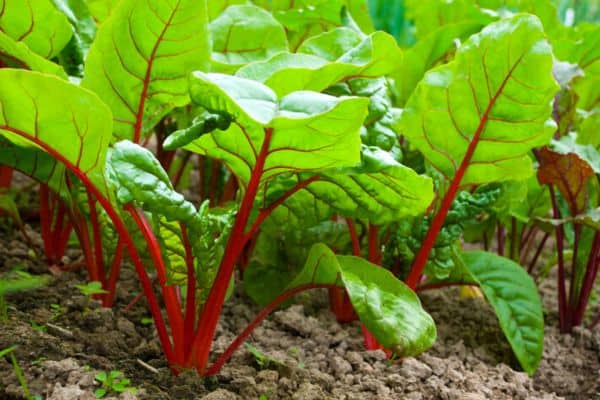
[308,355]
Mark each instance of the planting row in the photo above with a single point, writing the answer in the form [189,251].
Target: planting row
[315,151]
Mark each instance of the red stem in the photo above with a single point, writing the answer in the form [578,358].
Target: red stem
[222,359]
[179,173]
[438,221]
[353,237]
[229,190]
[115,269]
[190,300]
[539,250]
[171,300]
[99,254]
[500,236]
[375,257]
[591,272]
[562,295]
[513,238]
[339,301]
[235,245]
[374,249]
[46,222]
[264,213]
[6,174]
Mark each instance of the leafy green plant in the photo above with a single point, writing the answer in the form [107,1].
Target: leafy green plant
[113,382]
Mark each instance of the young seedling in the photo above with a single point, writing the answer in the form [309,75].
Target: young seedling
[114,383]
[57,310]
[18,372]
[263,361]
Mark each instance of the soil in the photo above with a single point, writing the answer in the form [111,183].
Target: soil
[306,354]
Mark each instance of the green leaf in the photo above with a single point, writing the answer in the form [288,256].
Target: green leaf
[84,31]
[17,55]
[311,131]
[37,23]
[582,47]
[101,9]
[513,295]
[280,249]
[388,308]
[140,61]
[8,350]
[382,124]
[139,178]
[482,113]
[429,15]
[379,189]
[428,52]
[45,113]
[242,34]
[216,7]
[317,65]
[19,282]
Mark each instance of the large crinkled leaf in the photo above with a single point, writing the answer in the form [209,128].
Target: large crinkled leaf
[379,189]
[481,114]
[381,126]
[305,18]
[310,131]
[430,15]
[570,174]
[138,178]
[141,59]
[388,308]
[514,296]
[371,57]
[428,52]
[37,23]
[68,122]
[15,54]
[242,34]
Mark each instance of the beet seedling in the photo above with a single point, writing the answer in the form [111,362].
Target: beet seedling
[112,382]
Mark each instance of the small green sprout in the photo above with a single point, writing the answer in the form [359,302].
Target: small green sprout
[57,311]
[263,361]
[91,289]
[113,382]
[38,327]
[18,372]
